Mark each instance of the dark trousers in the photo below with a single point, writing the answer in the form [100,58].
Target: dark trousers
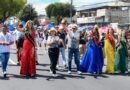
[19,45]
[53,55]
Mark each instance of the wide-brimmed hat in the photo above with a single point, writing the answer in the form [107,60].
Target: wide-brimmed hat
[53,30]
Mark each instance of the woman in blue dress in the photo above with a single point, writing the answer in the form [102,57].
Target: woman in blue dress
[92,61]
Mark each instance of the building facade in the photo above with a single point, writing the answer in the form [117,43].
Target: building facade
[115,11]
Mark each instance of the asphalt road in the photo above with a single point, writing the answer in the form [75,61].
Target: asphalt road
[64,81]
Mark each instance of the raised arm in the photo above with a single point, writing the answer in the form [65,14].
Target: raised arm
[20,29]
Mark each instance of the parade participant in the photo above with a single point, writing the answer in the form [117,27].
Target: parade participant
[37,41]
[62,47]
[109,50]
[122,54]
[82,43]
[40,37]
[5,41]
[73,47]
[19,42]
[53,49]
[28,59]
[45,36]
[92,61]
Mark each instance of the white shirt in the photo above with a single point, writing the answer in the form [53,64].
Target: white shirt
[55,41]
[73,39]
[5,38]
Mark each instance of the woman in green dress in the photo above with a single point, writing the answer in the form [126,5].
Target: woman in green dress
[121,54]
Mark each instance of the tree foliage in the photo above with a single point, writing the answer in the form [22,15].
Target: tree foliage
[54,20]
[10,7]
[28,13]
[59,10]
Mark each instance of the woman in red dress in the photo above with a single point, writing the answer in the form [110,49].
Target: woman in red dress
[28,59]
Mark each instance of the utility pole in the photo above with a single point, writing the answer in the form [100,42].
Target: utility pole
[71,3]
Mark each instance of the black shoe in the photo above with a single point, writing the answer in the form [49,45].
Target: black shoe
[54,72]
[57,68]
[18,63]
[37,63]
[5,76]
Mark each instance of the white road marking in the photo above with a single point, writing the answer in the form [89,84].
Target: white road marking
[11,61]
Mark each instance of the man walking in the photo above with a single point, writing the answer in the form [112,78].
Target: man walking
[19,42]
[73,47]
[5,41]
[62,36]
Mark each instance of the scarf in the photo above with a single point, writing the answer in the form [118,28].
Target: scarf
[111,40]
[29,37]
[95,38]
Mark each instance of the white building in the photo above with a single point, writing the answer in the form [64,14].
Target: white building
[115,11]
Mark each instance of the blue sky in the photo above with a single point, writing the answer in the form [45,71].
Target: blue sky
[41,4]
[76,2]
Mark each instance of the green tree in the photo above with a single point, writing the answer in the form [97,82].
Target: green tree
[59,10]
[28,13]
[10,8]
[54,20]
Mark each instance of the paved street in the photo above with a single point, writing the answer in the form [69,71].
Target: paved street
[64,81]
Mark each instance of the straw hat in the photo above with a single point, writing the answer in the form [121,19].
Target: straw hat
[53,30]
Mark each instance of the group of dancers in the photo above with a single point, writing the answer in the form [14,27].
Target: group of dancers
[106,50]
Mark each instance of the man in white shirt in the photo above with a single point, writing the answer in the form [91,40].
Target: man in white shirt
[5,41]
[73,47]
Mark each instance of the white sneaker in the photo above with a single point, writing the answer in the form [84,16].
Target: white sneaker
[69,72]
[4,72]
[54,75]
[78,72]
[50,71]
[57,67]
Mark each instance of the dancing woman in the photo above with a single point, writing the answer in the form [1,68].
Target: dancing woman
[110,49]
[92,61]
[121,54]
[53,50]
